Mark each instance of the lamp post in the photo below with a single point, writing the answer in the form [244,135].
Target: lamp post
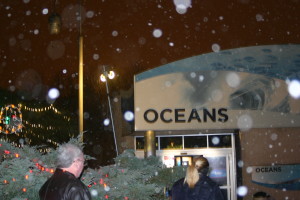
[54,24]
[104,78]
[54,21]
[80,77]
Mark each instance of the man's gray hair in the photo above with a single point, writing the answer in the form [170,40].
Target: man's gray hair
[67,154]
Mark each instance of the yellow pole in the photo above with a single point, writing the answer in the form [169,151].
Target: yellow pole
[149,147]
[80,95]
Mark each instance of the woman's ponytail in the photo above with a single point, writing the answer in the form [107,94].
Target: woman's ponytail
[192,176]
[200,165]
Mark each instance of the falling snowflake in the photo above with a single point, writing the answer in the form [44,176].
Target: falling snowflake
[53,93]
[157,33]
[242,191]
[216,48]
[294,88]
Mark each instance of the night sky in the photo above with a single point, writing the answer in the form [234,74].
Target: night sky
[131,36]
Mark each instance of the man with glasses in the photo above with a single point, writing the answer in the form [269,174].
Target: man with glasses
[65,183]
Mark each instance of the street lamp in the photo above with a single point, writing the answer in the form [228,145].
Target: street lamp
[109,75]
[54,21]
[54,24]
[104,78]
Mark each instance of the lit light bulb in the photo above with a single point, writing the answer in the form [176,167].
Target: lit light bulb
[102,78]
[111,74]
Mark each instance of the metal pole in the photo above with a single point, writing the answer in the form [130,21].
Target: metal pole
[110,110]
[80,81]
[80,95]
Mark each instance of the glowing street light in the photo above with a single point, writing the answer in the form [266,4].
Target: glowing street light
[103,77]
[109,75]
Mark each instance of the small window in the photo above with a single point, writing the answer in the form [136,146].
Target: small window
[140,142]
[171,143]
[195,142]
[220,141]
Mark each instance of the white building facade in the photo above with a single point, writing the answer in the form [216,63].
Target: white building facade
[234,107]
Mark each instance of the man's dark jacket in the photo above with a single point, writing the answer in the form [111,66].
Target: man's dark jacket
[205,189]
[63,185]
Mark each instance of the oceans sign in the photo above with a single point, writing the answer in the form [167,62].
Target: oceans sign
[180,115]
[278,176]
[233,89]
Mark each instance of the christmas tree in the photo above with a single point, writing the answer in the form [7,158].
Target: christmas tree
[23,170]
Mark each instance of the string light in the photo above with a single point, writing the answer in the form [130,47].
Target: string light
[101,181]
[13,112]
[26,132]
[46,108]
[11,119]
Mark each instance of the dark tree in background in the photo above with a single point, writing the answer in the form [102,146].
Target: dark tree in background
[43,124]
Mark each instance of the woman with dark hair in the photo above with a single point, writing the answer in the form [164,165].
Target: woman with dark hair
[196,185]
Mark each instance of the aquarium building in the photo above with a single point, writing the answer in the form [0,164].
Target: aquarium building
[240,108]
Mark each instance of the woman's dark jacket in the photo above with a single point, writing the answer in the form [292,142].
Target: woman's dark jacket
[205,189]
[63,185]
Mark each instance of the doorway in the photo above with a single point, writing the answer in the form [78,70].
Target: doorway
[219,149]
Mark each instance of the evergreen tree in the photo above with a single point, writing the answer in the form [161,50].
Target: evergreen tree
[24,169]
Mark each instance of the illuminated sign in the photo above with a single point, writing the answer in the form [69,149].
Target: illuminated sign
[231,89]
